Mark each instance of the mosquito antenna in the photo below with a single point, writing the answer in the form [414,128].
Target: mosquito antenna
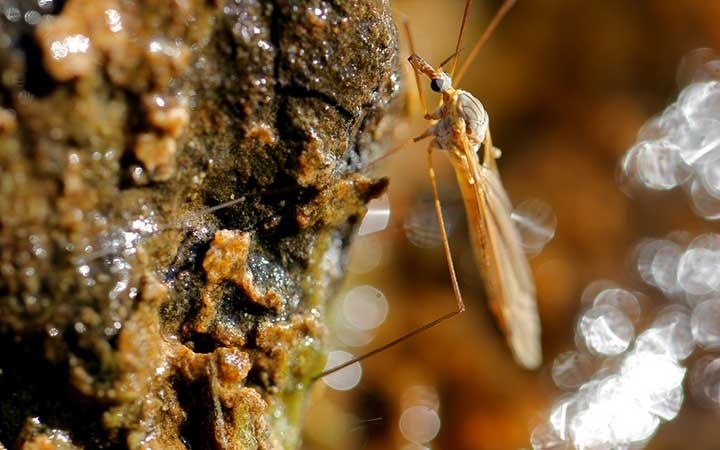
[459,39]
[486,34]
[416,74]
[445,61]
[396,149]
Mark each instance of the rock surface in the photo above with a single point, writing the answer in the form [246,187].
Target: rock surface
[180,180]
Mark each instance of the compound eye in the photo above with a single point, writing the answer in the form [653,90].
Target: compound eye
[436,84]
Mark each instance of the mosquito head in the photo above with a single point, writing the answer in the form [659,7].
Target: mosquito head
[439,80]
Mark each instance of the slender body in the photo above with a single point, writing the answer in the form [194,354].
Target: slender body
[461,127]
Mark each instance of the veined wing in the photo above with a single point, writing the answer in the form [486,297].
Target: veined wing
[498,253]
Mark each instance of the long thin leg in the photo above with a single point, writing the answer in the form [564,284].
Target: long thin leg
[489,156]
[459,304]
[486,34]
[397,148]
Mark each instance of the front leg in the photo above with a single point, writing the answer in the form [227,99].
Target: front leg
[437,114]
[490,153]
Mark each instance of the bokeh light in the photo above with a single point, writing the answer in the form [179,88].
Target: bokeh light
[536,223]
[621,387]
[705,381]
[705,324]
[364,307]
[346,378]
[681,146]
[420,421]
[419,424]
[421,226]
[606,330]
[366,254]
[629,394]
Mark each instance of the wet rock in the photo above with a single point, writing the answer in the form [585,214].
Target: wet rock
[179,183]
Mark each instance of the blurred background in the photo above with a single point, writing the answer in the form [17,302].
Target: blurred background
[567,85]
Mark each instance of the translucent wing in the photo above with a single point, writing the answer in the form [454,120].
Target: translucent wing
[499,255]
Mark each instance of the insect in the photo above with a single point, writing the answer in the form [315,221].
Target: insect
[460,127]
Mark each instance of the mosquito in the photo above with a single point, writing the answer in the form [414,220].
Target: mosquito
[460,127]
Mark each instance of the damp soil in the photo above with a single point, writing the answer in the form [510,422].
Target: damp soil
[180,181]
